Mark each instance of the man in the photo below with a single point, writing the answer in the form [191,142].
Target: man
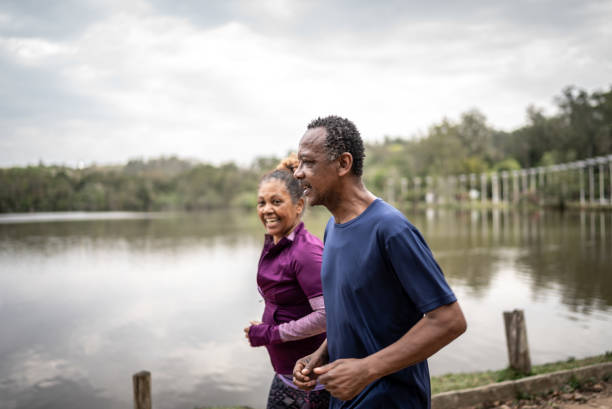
[388,305]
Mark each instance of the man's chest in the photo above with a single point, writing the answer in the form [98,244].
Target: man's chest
[352,266]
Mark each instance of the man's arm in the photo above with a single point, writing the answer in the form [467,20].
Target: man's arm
[345,378]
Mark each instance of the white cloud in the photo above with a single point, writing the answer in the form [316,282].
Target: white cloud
[150,84]
[32,51]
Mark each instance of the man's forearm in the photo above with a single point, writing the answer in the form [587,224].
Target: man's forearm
[434,331]
[323,350]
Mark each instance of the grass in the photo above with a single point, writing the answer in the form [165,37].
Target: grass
[453,382]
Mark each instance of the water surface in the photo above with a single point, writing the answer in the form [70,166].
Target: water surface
[87,300]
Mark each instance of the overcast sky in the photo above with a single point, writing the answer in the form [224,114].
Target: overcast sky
[105,81]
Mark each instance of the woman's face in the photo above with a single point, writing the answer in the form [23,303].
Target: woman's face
[276,210]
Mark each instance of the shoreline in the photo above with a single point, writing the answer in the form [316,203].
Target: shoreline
[460,381]
[488,389]
[532,388]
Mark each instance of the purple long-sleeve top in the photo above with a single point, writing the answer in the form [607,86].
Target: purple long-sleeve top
[289,279]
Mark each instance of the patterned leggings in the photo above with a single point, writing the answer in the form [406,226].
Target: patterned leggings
[285,397]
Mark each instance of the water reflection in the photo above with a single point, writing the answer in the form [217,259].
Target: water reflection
[569,250]
[57,392]
[554,266]
[90,302]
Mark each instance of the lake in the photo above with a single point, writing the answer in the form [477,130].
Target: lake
[89,299]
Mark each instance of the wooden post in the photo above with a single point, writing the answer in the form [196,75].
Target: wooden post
[462,189]
[494,188]
[390,190]
[451,188]
[610,161]
[602,195]
[515,185]
[581,176]
[417,190]
[403,189]
[591,182]
[473,182]
[504,186]
[142,390]
[516,339]
[483,187]
[540,177]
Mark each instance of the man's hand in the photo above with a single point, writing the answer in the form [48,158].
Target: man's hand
[344,378]
[303,375]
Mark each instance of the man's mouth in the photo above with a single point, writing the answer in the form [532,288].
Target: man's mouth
[306,188]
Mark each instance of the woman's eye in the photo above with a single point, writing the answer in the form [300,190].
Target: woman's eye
[276,202]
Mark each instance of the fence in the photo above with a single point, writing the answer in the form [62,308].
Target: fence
[584,183]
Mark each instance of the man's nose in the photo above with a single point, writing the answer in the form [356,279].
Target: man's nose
[298,173]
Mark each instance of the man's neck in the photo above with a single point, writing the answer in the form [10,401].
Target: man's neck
[350,201]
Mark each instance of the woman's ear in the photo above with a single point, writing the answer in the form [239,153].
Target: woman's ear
[300,206]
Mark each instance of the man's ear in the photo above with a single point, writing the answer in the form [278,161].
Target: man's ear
[345,163]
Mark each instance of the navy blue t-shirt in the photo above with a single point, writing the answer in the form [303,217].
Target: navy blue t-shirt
[379,278]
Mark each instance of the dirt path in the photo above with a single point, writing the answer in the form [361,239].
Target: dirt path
[588,396]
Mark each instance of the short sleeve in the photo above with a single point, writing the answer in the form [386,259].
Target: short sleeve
[416,269]
[308,270]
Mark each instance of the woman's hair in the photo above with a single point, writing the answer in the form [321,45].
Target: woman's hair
[284,173]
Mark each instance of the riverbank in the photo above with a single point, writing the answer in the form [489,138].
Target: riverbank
[583,395]
[452,382]
[577,393]
[573,386]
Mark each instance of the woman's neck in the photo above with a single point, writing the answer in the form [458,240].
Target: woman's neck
[276,239]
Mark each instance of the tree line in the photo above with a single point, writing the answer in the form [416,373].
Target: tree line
[581,128]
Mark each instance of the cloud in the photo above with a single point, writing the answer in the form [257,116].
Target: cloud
[50,19]
[225,80]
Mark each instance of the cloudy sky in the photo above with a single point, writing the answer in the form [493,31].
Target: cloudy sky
[85,81]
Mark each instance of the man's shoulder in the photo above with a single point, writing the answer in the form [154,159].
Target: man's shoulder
[380,218]
[383,209]
[380,221]
[388,219]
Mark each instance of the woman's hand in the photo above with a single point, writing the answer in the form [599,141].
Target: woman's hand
[246,329]
[304,376]
[260,334]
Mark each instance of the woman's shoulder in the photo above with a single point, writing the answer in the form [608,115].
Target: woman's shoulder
[304,238]
[306,247]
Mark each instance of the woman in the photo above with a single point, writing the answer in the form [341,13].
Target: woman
[289,279]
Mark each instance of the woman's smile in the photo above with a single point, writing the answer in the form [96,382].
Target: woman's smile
[276,210]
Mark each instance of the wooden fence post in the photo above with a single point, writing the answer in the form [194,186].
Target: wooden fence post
[142,390]
[516,339]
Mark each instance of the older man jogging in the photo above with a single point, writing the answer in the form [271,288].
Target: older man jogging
[388,305]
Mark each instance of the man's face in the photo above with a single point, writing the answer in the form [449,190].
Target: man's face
[315,171]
